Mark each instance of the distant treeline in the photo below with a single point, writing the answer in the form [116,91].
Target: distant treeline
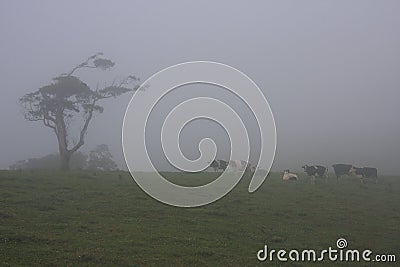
[98,159]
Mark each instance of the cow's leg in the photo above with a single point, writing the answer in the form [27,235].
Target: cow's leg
[312,179]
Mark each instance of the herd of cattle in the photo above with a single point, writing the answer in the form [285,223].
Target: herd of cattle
[312,171]
[236,165]
[340,170]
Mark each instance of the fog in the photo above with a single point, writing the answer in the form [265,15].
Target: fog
[330,70]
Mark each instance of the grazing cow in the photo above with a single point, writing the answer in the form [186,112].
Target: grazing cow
[342,169]
[287,176]
[219,164]
[365,172]
[315,170]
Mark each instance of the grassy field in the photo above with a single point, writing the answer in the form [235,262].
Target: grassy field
[93,219]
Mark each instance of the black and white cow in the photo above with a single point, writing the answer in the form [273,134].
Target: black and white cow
[315,170]
[219,164]
[342,169]
[365,172]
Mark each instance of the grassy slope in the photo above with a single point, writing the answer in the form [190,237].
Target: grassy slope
[59,219]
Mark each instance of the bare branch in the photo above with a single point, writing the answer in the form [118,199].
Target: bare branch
[95,60]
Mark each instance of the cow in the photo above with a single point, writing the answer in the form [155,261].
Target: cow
[315,170]
[287,176]
[219,164]
[240,165]
[341,169]
[365,172]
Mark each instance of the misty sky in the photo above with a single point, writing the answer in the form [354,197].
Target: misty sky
[329,69]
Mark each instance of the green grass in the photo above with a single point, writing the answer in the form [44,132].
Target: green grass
[93,219]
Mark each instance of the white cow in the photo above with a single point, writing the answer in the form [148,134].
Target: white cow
[240,165]
[287,176]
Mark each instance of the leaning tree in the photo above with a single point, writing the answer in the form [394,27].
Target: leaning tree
[68,100]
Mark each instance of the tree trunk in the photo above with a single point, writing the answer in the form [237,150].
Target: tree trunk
[65,158]
[65,154]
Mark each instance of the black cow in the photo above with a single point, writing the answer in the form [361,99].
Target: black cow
[315,170]
[219,164]
[365,172]
[341,169]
